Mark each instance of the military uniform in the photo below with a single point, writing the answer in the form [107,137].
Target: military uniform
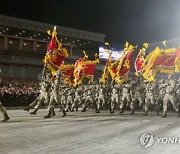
[101,100]
[170,97]
[4,113]
[149,96]
[88,100]
[114,99]
[126,97]
[55,97]
[137,96]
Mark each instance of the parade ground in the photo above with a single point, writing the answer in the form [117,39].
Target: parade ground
[88,133]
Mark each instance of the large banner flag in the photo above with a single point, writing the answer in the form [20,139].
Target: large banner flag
[161,60]
[140,60]
[67,71]
[121,67]
[105,74]
[55,53]
[121,74]
[84,68]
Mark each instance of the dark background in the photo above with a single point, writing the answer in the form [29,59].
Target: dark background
[136,21]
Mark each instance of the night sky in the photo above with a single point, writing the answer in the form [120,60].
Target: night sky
[136,21]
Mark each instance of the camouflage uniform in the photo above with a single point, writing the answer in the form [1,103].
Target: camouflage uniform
[55,97]
[149,96]
[114,99]
[126,97]
[170,97]
[137,96]
[4,113]
[101,100]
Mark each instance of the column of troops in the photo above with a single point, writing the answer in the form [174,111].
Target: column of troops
[132,95]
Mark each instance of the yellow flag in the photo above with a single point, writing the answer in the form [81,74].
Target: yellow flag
[85,55]
[106,43]
[146,45]
[127,44]
[164,42]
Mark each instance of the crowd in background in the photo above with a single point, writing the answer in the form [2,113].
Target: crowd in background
[18,92]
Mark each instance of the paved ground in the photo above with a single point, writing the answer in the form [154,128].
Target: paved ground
[86,133]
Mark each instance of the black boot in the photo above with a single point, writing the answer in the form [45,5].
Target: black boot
[145,113]
[121,111]
[83,110]
[34,112]
[48,115]
[53,113]
[178,113]
[6,117]
[157,111]
[97,111]
[132,112]
[164,114]
[26,108]
[64,114]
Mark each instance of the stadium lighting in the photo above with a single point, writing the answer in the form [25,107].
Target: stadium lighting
[78,40]
[7,28]
[89,42]
[24,31]
[19,33]
[10,42]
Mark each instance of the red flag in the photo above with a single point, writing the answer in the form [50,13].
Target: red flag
[126,64]
[52,44]
[138,63]
[56,58]
[166,60]
[82,68]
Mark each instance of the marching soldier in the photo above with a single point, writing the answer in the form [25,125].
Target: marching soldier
[55,97]
[149,96]
[43,96]
[170,97]
[4,113]
[126,97]
[100,101]
[114,99]
[137,96]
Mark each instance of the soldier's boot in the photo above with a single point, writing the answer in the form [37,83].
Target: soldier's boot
[34,111]
[76,109]
[83,110]
[145,113]
[178,113]
[112,111]
[26,108]
[132,112]
[49,113]
[97,111]
[64,114]
[164,114]
[53,113]
[6,117]
[157,111]
[72,109]
[121,111]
